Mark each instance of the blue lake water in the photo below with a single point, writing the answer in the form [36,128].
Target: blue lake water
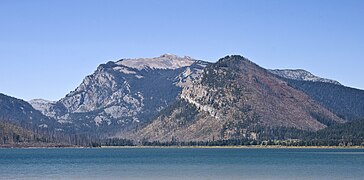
[181,163]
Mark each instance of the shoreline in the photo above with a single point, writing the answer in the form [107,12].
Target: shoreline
[183,147]
[236,147]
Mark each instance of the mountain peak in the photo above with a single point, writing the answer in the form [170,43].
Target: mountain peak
[165,61]
[233,60]
[39,100]
[173,56]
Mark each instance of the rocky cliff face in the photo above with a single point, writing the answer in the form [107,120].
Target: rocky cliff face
[123,94]
[235,98]
[44,106]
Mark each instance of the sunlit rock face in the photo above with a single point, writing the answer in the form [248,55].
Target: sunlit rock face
[301,75]
[124,93]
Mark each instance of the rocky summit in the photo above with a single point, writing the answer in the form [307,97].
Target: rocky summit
[123,94]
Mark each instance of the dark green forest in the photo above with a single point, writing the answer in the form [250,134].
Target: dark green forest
[348,134]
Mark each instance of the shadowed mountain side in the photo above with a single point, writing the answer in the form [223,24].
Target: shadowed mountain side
[346,102]
[22,113]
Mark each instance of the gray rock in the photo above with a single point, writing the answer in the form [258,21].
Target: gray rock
[302,75]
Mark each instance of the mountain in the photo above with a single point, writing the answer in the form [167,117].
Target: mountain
[235,98]
[301,75]
[345,102]
[121,95]
[20,112]
[22,126]
[172,98]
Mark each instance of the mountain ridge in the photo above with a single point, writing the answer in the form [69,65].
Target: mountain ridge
[300,74]
[121,98]
[165,61]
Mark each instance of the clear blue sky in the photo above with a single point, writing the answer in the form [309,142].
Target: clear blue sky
[48,47]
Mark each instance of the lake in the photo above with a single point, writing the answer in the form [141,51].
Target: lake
[181,163]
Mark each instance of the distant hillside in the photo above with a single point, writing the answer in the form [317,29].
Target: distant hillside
[351,133]
[15,135]
[22,113]
[346,102]
[22,126]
